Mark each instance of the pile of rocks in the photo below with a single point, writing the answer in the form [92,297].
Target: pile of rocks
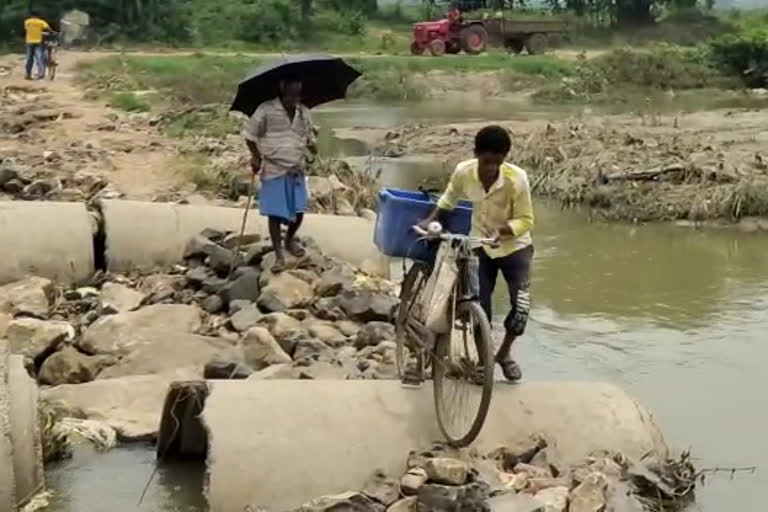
[319,319]
[526,477]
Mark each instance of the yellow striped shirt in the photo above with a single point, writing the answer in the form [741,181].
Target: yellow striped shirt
[507,202]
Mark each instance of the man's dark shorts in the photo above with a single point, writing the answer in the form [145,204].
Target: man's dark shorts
[516,269]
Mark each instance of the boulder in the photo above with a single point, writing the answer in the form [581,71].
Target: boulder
[212,304]
[237,305]
[262,350]
[443,470]
[554,499]
[160,287]
[334,281]
[532,471]
[368,306]
[246,318]
[348,327]
[118,298]
[118,334]
[257,251]
[28,296]
[321,370]
[382,488]
[511,502]
[413,480]
[198,246]
[220,259]
[281,325]
[311,349]
[283,292]
[345,502]
[33,338]
[305,275]
[589,495]
[404,505]
[245,287]
[232,240]
[374,333]
[198,275]
[276,371]
[326,332]
[130,405]
[521,451]
[436,497]
[214,284]
[226,368]
[69,366]
[167,351]
[536,484]
[328,309]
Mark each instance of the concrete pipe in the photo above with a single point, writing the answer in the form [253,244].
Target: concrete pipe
[277,444]
[46,239]
[141,235]
[21,458]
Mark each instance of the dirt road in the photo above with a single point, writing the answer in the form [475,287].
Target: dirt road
[50,126]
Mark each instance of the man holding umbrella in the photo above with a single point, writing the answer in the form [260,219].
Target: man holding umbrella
[279,135]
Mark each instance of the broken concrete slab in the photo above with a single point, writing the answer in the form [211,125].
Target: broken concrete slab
[580,417]
[131,405]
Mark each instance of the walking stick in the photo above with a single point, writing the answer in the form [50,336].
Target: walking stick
[236,250]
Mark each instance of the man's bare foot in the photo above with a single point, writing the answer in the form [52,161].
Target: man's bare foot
[511,370]
[279,265]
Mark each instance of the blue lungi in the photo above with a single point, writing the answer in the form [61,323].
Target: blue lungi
[283,197]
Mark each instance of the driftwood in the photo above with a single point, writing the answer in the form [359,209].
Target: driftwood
[643,175]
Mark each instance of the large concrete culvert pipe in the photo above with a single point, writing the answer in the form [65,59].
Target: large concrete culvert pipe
[144,235]
[45,239]
[21,459]
[277,444]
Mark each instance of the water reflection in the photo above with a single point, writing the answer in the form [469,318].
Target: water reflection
[116,480]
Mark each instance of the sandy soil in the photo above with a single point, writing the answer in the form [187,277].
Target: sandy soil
[81,136]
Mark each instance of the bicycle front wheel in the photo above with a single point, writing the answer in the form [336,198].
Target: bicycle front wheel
[463,375]
[413,283]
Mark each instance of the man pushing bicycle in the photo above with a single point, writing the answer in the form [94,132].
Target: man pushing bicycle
[502,209]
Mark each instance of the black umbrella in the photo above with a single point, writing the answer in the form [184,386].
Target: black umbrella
[324,78]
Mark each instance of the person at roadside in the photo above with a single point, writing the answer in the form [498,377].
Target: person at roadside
[35,27]
[502,209]
[280,136]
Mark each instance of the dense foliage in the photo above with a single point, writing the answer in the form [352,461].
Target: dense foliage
[200,21]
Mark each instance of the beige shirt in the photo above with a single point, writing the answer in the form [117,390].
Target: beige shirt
[283,144]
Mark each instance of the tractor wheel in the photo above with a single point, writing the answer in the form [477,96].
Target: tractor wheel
[474,39]
[515,46]
[437,47]
[416,49]
[537,44]
[453,47]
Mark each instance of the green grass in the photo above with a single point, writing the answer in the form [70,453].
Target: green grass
[204,78]
[129,102]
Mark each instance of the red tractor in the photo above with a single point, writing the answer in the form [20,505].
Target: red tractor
[449,35]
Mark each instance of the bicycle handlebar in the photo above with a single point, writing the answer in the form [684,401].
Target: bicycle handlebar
[452,236]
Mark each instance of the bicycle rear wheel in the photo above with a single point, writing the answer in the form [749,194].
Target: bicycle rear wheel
[463,375]
[413,283]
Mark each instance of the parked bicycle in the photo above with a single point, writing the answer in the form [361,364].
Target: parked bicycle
[461,359]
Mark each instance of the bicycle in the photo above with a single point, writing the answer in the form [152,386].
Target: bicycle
[462,366]
[50,49]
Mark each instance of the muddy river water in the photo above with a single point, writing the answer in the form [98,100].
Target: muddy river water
[672,315]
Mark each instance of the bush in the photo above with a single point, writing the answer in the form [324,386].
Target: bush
[349,24]
[129,102]
[737,53]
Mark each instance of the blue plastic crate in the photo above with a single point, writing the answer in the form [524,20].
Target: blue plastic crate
[400,210]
